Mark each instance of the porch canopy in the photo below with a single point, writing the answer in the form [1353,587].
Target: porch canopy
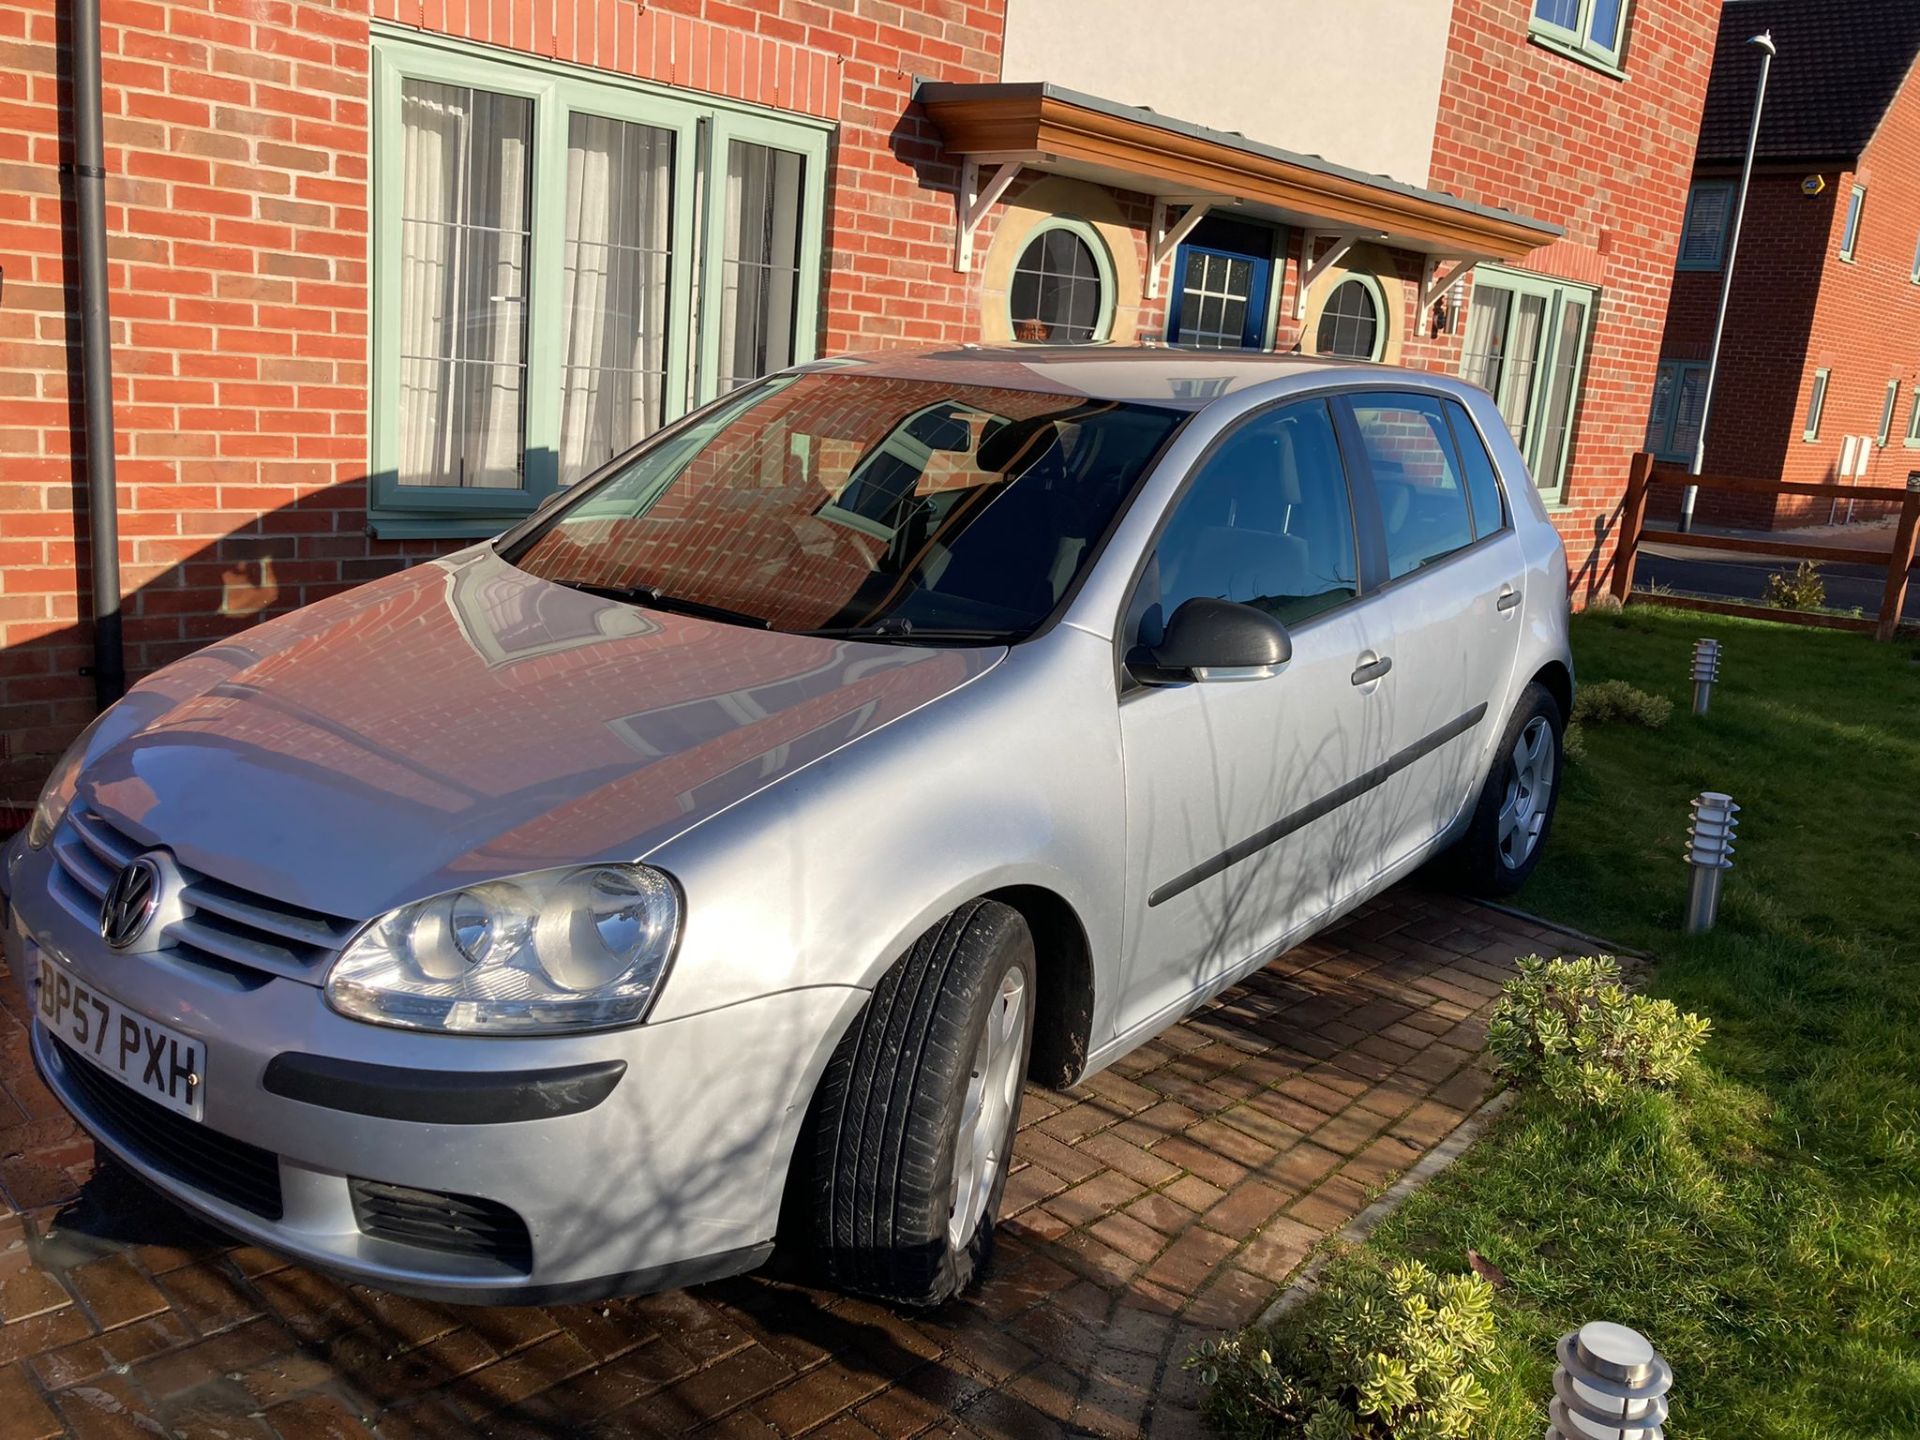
[998,130]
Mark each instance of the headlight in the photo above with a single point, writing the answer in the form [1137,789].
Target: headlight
[559,950]
[57,794]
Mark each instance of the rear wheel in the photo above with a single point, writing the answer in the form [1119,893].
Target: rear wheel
[1510,822]
[913,1126]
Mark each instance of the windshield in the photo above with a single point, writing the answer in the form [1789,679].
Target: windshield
[854,504]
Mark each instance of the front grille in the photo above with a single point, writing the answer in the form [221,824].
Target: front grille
[217,925]
[453,1224]
[225,1168]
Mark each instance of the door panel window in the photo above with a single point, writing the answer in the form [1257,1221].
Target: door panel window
[1423,497]
[1266,521]
[761,265]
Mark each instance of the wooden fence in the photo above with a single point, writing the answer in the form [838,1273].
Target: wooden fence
[1634,532]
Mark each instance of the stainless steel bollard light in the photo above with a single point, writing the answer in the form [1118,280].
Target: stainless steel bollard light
[1710,854]
[1706,670]
[1611,1384]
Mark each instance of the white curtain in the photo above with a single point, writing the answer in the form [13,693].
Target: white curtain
[462,285]
[760,265]
[619,184]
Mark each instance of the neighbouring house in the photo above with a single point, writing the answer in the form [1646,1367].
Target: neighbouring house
[384,275]
[1820,366]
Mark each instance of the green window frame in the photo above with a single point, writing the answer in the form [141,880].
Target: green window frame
[1886,411]
[1912,442]
[1375,292]
[1538,389]
[702,130]
[1594,32]
[1914,274]
[1850,231]
[1703,236]
[1816,403]
[1103,268]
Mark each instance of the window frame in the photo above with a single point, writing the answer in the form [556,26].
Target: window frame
[1345,408]
[1912,440]
[1679,369]
[1102,262]
[1914,274]
[1555,293]
[1850,227]
[1686,227]
[1578,43]
[1816,404]
[556,90]
[1886,412]
[1371,283]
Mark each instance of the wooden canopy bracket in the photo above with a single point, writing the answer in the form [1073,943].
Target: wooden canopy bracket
[1166,240]
[1312,269]
[971,204]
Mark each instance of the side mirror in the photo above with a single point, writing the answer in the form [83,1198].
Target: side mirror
[1211,639]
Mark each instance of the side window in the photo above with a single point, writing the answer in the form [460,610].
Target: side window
[1423,500]
[1483,485]
[1266,521]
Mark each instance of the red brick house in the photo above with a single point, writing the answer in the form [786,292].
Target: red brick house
[385,272]
[1820,374]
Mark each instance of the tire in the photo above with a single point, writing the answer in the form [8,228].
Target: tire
[1488,855]
[888,1219]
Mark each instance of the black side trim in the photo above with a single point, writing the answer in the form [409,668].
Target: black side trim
[1316,809]
[437,1097]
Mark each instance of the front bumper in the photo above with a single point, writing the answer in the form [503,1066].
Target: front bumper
[673,1176]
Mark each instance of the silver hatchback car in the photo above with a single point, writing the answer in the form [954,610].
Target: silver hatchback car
[715,854]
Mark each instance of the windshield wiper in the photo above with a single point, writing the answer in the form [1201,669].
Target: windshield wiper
[898,629]
[654,598]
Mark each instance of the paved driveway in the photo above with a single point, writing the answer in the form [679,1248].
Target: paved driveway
[1158,1203]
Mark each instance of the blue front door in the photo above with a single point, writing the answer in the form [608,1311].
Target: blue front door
[1221,278]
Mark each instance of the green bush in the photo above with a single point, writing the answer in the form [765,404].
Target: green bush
[1611,702]
[1803,589]
[1397,1354]
[1572,1027]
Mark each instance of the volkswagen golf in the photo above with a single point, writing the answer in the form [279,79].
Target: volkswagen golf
[711,859]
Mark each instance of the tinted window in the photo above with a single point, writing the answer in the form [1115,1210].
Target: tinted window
[1483,486]
[850,503]
[1266,521]
[1423,504]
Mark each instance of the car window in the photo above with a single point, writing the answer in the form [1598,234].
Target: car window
[1423,502]
[1483,484]
[1266,521]
[846,503]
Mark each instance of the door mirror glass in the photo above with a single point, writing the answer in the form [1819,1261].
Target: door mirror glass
[1210,639]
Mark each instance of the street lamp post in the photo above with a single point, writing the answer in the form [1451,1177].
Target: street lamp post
[1767,51]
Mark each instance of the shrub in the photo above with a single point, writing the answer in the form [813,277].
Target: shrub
[1611,702]
[1572,1027]
[1573,741]
[1804,589]
[1397,1354]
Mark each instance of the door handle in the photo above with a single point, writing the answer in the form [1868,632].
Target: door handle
[1509,597]
[1372,671]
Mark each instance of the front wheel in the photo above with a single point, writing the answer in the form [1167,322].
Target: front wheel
[1515,810]
[914,1123]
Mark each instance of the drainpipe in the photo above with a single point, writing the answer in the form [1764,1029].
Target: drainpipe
[96,356]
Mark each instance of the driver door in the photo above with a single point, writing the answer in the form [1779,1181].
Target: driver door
[1238,822]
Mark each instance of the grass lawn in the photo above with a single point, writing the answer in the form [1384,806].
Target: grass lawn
[1763,1226]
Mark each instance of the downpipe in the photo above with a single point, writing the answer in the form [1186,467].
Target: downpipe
[96,356]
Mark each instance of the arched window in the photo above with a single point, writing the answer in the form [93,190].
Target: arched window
[1353,321]
[1062,290]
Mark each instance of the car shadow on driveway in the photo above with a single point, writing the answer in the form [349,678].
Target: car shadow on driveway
[1157,1203]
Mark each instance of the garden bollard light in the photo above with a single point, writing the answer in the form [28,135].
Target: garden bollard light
[1610,1384]
[1709,852]
[1706,670]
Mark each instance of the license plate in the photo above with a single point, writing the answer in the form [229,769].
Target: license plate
[160,1063]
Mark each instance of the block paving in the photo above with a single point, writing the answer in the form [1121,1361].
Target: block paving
[1160,1202]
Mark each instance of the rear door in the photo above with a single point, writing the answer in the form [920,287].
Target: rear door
[1451,603]
[1237,829]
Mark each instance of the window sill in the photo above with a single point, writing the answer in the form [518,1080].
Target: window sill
[1576,54]
[440,527]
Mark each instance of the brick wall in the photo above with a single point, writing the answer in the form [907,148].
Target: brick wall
[1796,308]
[237,146]
[1609,159]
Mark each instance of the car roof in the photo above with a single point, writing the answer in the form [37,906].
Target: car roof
[1169,376]
[1154,375]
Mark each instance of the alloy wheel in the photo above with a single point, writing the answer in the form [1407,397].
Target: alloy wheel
[1523,810]
[993,1089]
